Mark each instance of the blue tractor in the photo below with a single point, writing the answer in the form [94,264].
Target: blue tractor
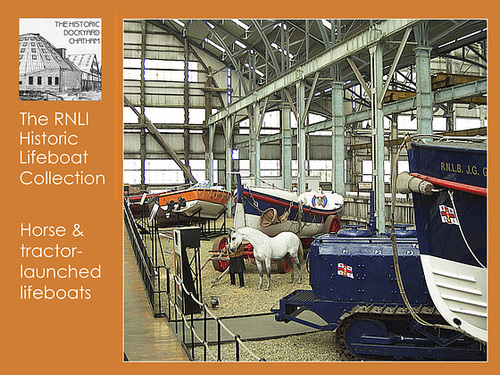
[355,290]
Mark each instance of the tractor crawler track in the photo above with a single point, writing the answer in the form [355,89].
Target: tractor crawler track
[381,313]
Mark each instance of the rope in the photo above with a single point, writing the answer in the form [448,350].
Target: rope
[205,307]
[395,257]
[442,138]
[450,193]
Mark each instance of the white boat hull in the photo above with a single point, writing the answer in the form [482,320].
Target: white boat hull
[305,230]
[459,292]
[209,210]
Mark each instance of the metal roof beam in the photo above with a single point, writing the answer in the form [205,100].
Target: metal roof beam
[324,34]
[268,47]
[324,60]
[443,96]
[230,55]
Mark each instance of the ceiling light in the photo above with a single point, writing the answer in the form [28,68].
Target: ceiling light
[241,24]
[327,24]
[238,43]
[179,22]
[214,45]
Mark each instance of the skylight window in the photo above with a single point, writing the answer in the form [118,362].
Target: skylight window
[241,24]
[211,25]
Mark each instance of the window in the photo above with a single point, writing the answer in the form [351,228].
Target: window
[162,115]
[38,80]
[192,71]
[159,70]
[467,123]
[270,168]
[321,169]
[132,171]
[196,115]
[368,172]
[244,168]
[33,57]
[56,82]
[161,171]
[30,80]
[49,81]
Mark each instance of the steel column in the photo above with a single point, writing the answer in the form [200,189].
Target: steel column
[301,136]
[286,147]
[210,166]
[424,90]
[376,52]
[143,101]
[187,143]
[228,134]
[338,138]
[256,132]
[394,149]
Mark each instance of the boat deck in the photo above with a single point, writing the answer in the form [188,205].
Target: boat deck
[146,338]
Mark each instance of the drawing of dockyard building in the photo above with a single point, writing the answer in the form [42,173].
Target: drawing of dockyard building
[46,69]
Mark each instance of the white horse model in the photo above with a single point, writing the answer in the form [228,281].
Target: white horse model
[267,248]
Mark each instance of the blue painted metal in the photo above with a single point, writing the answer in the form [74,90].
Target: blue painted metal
[360,269]
[355,270]
[464,164]
[256,203]
[345,272]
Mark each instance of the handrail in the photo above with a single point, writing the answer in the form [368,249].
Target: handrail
[239,342]
[149,271]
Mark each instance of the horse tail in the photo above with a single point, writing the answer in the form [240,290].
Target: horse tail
[301,252]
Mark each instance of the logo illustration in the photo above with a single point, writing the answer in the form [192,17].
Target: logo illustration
[448,215]
[344,270]
[319,201]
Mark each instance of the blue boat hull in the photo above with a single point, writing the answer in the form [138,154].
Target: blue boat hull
[452,230]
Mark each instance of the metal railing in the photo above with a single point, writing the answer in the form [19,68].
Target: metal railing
[149,271]
[188,323]
[151,275]
[357,210]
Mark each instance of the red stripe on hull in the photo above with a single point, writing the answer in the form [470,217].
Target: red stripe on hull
[286,205]
[453,185]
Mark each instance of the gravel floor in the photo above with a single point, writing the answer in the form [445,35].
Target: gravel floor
[310,347]
[233,300]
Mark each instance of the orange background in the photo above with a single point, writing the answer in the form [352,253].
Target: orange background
[82,337]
